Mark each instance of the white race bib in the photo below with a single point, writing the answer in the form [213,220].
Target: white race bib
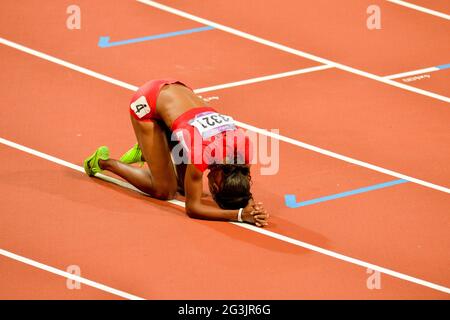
[212,123]
[140,107]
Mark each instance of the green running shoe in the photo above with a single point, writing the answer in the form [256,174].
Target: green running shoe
[91,165]
[134,155]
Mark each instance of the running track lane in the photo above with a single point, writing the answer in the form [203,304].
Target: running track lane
[350,115]
[384,140]
[77,112]
[200,59]
[436,5]
[437,81]
[20,281]
[336,32]
[147,248]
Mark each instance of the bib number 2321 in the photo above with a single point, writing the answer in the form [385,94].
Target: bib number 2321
[213,123]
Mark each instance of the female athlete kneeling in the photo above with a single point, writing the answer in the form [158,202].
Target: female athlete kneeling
[205,140]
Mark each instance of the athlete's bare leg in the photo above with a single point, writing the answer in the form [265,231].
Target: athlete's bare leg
[161,180]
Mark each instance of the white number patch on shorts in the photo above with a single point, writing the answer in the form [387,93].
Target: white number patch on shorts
[212,123]
[140,107]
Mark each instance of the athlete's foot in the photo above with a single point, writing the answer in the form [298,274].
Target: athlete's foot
[103,164]
[134,155]
[91,164]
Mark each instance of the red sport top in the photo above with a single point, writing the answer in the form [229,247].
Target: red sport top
[205,136]
[209,137]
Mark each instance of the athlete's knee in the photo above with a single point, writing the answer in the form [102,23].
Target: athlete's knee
[165,191]
[164,195]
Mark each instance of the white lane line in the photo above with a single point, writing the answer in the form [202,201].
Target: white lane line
[68,275]
[67,64]
[342,157]
[421,9]
[134,88]
[264,78]
[411,73]
[293,51]
[244,225]
[243,125]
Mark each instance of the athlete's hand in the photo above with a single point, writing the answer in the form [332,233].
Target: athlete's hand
[255,214]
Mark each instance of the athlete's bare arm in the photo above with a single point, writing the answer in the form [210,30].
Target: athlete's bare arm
[193,185]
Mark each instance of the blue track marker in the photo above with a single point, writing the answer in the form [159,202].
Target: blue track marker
[443,66]
[103,42]
[291,201]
